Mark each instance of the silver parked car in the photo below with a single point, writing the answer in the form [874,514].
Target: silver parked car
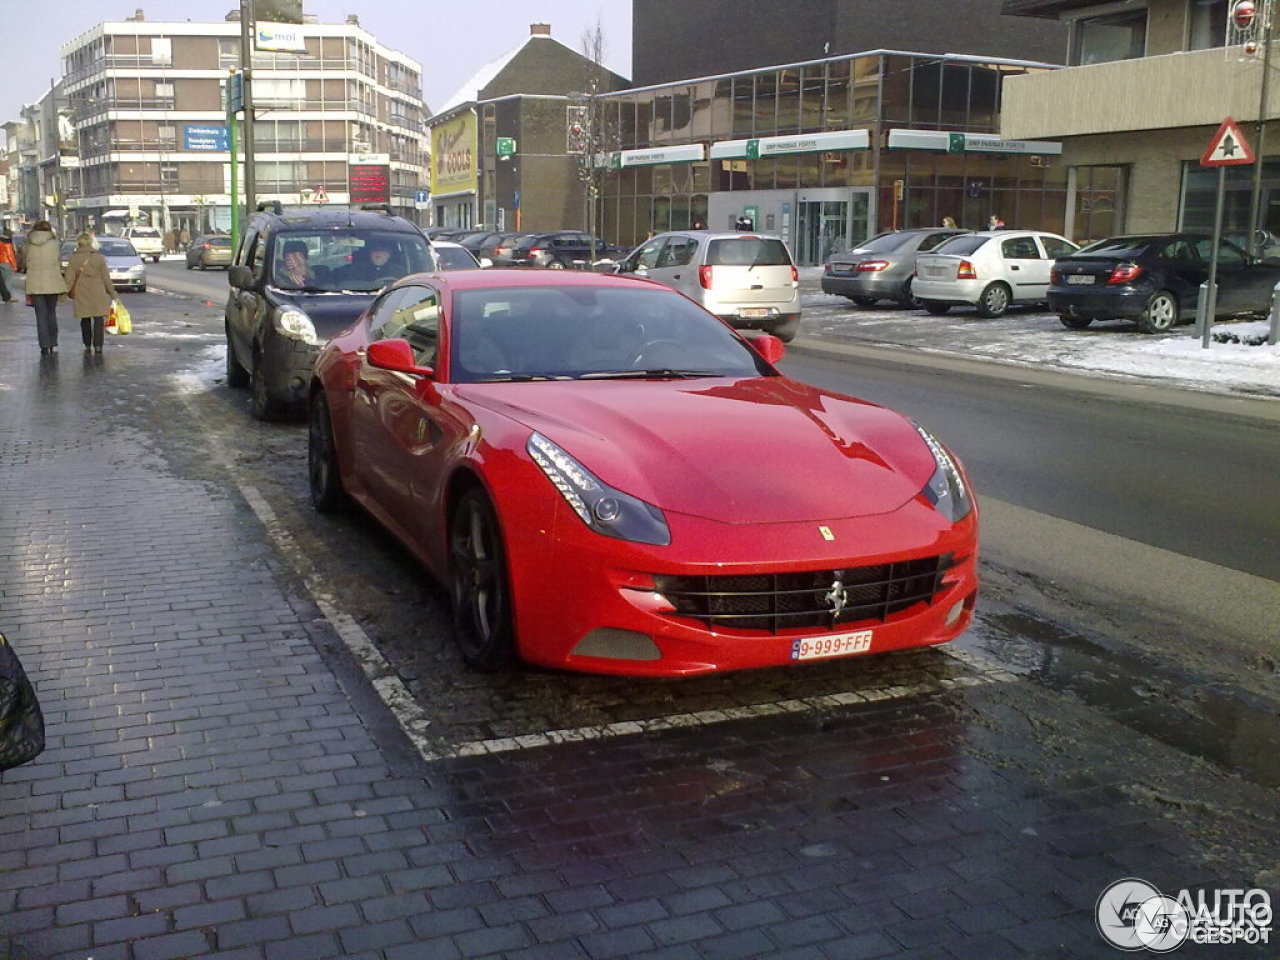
[883,267]
[745,279]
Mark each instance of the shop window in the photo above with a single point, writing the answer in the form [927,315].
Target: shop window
[1099,202]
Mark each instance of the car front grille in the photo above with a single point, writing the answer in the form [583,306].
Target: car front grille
[816,598]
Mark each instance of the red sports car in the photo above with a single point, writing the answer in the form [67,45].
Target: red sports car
[609,479]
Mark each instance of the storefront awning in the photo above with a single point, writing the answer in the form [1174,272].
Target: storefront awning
[944,141]
[755,148]
[116,215]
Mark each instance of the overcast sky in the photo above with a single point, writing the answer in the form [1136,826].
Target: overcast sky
[451,39]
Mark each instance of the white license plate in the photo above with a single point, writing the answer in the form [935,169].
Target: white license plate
[836,645]
[1080,278]
[755,312]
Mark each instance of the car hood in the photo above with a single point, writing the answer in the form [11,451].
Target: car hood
[122,262]
[760,450]
[330,313]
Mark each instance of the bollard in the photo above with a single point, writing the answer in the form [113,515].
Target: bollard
[1202,305]
[1273,337]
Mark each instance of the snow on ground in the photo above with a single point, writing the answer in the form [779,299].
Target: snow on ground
[1038,339]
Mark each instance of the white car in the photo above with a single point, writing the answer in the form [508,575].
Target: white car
[746,279]
[146,240]
[991,270]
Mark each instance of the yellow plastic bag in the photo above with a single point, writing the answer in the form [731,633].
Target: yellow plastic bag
[119,320]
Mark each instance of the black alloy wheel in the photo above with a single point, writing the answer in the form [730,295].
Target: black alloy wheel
[479,589]
[324,481]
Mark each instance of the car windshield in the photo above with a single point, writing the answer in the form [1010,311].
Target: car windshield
[116,248]
[962,245]
[357,260]
[1126,247]
[884,243]
[587,332]
[748,251]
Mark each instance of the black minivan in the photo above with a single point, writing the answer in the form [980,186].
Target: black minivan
[298,278]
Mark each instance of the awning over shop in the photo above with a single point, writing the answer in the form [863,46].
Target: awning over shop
[117,215]
[945,141]
[755,148]
[686,153]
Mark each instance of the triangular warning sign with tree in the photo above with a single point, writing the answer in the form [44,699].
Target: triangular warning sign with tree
[1228,147]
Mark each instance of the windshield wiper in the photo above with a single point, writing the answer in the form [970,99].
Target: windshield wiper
[521,378]
[642,374]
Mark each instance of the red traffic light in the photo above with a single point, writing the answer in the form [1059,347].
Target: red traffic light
[1243,13]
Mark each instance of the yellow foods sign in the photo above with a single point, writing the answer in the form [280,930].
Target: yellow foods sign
[453,155]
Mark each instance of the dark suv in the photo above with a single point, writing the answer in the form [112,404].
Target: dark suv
[298,278]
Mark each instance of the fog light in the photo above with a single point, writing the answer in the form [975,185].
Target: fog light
[954,613]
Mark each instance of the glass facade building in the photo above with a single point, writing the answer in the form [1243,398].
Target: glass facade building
[819,152]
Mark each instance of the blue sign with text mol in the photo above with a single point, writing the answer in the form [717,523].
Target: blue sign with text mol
[210,137]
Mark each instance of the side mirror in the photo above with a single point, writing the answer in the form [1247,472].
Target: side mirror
[396,355]
[769,347]
[240,276]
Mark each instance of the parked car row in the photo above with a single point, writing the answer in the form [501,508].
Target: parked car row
[1152,279]
[555,250]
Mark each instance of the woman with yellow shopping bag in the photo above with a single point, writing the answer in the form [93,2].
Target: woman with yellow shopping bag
[91,291]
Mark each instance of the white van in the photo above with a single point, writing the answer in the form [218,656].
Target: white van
[746,279]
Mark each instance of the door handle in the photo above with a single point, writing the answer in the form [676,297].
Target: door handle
[675,276]
[1014,266]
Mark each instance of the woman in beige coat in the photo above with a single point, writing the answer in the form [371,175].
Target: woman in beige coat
[91,290]
[44,282]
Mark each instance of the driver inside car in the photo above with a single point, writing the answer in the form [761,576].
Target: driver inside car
[375,262]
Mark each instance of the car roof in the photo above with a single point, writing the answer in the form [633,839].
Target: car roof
[721,234]
[293,220]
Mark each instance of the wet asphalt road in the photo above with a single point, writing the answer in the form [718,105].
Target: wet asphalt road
[1079,734]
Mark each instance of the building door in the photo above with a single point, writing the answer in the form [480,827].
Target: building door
[827,226]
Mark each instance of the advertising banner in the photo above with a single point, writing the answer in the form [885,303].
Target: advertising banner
[453,155]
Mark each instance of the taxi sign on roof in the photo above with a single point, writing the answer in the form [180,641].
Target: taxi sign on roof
[1227,147]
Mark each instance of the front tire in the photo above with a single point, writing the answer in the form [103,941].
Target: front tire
[1160,313]
[237,375]
[478,584]
[555,265]
[994,301]
[934,307]
[324,480]
[264,407]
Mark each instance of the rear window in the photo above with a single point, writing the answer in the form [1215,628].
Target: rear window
[116,248]
[885,242]
[218,241]
[1126,247]
[144,232]
[962,246]
[748,252]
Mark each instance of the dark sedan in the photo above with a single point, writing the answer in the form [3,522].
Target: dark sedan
[1154,280]
[562,250]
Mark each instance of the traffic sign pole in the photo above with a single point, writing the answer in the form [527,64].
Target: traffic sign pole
[1211,307]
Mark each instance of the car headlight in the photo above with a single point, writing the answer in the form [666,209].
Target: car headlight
[137,271]
[946,489]
[602,508]
[296,325]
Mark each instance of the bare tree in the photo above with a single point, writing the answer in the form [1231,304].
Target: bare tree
[591,137]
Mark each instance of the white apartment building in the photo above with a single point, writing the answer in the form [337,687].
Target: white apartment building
[142,133]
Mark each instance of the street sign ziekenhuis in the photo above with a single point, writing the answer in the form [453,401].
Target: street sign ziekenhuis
[1227,147]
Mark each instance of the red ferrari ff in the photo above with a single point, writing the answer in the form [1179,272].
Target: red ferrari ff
[609,479]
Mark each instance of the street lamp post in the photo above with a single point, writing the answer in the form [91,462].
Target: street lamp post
[1256,242]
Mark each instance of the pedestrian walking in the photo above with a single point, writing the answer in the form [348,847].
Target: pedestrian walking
[8,265]
[170,241]
[44,283]
[89,285]
[184,239]
[995,223]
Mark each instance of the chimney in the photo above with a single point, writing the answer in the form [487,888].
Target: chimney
[353,20]
[138,15]
[539,29]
